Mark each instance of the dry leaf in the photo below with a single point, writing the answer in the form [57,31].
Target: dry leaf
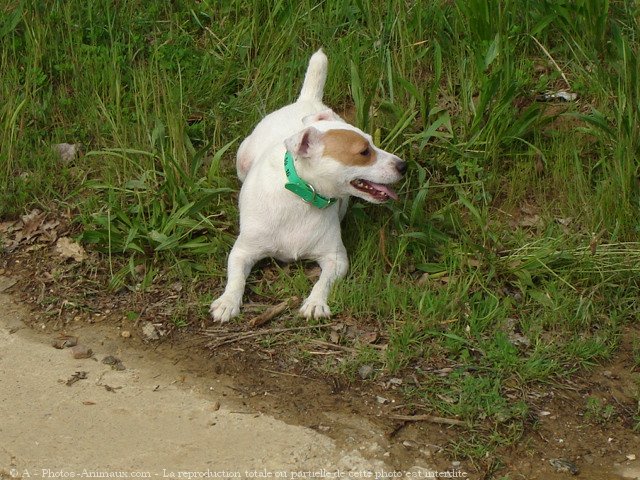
[70,249]
[6,227]
[31,222]
[368,337]
[47,231]
[472,262]
[564,221]
[519,340]
[530,221]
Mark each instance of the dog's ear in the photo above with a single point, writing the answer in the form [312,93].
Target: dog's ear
[305,144]
[327,114]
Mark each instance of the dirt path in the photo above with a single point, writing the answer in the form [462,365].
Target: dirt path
[146,418]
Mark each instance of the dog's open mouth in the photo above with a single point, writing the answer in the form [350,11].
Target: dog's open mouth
[379,192]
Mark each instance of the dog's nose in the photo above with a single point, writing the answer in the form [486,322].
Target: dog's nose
[401,166]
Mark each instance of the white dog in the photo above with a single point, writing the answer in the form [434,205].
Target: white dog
[299,167]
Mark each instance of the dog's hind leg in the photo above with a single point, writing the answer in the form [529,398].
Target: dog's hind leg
[333,266]
[239,266]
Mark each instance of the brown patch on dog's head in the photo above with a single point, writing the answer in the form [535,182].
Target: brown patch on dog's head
[348,147]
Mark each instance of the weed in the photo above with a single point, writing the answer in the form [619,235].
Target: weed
[598,411]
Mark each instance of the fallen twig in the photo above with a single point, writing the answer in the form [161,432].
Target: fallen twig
[75,377]
[273,312]
[286,374]
[428,418]
[240,336]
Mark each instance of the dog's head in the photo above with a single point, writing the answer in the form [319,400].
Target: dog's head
[339,160]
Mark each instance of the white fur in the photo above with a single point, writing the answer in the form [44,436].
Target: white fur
[274,222]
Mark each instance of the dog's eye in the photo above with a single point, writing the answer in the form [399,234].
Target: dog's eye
[365,152]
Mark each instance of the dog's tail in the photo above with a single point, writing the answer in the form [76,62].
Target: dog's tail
[314,79]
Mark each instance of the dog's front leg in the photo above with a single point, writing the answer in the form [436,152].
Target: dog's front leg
[239,266]
[333,266]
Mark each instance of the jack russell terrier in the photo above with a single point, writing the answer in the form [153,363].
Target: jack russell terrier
[298,167]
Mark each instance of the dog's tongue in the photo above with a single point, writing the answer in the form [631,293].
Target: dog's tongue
[385,189]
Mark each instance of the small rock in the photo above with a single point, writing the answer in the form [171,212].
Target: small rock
[125,334]
[115,362]
[563,465]
[110,360]
[561,95]
[381,400]
[455,464]
[631,457]
[410,444]
[149,331]
[81,351]
[65,341]
[365,372]
[215,406]
[426,452]
[67,151]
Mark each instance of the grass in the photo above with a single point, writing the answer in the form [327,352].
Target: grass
[518,219]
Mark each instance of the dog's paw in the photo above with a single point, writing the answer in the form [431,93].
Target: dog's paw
[223,309]
[315,309]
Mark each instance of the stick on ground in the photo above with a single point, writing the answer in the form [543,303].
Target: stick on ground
[271,313]
[428,418]
[234,337]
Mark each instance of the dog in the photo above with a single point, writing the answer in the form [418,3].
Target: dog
[298,169]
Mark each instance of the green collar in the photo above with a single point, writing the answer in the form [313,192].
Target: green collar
[301,188]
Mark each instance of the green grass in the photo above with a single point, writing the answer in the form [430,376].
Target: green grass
[516,217]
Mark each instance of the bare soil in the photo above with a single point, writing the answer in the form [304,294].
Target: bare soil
[63,415]
[272,377]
